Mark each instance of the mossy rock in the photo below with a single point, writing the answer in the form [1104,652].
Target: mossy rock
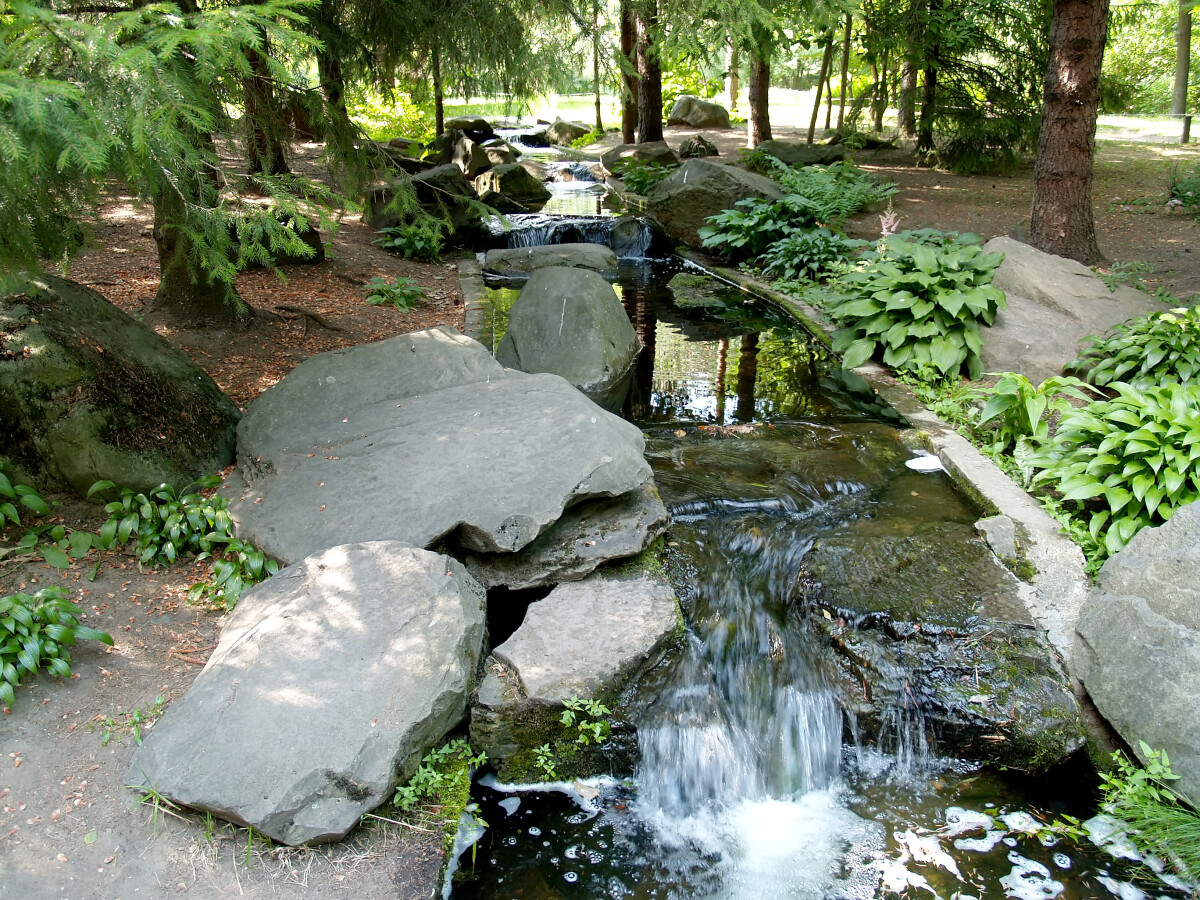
[88,393]
[692,291]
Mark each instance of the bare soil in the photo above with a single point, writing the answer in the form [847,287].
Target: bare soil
[68,826]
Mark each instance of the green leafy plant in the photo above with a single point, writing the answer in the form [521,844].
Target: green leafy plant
[1145,351]
[35,632]
[754,224]
[587,140]
[1185,191]
[128,722]
[806,255]
[587,718]
[1134,459]
[1142,797]
[1019,410]
[921,304]
[420,239]
[836,191]
[164,525]
[1125,273]
[434,775]
[544,759]
[403,293]
[48,540]
[640,176]
[949,398]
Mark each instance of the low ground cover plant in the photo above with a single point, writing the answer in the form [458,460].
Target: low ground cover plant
[1145,351]
[1017,410]
[640,176]
[422,239]
[809,255]
[403,293]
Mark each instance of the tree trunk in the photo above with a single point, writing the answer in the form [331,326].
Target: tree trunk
[928,109]
[747,376]
[829,98]
[650,111]
[629,87]
[826,59]
[264,119]
[759,127]
[845,71]
[596,62]
[907,111]
[439,108]
[734,62]
[1062,221]
[1183,59]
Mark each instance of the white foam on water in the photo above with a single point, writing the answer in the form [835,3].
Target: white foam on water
[1029,880]
[1122,889]
[985,844]
[964,821]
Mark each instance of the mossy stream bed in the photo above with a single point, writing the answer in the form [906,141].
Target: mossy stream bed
[761,773]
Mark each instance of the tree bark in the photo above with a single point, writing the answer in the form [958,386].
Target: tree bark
[439,105]
[1062,221]
[596,61]
[826,59]
[845,71]
[650,111]
[734,62]
[1183,59]
[265,143]
[747,376]
[907,111]
[928,108]
[759,122]
[629,81]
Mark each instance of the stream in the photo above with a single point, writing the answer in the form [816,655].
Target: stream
[753,782]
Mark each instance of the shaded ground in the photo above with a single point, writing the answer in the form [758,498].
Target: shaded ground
[67,825]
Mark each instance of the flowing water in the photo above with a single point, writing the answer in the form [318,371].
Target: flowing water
[752,783]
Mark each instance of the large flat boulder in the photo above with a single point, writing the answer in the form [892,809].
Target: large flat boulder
[563,133]
[696,113]
[701,188]
[330,683]
[440,443]
[89,393]
[1048,294]
[1138,648]
[793,153]
[455,146]
[524,260]
[587,640]
[514,182]
[569,321]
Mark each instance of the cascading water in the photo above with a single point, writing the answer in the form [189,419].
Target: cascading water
[752,782]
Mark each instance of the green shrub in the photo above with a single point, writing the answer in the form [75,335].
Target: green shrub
[1145,351]
[806,255]
[1021,411]
[754,224]
[403,293]
[436,775]
[1134,458]
[587,140]
[422,239]
[1185,191]
[836,191]
[48,540]
[922,305]
[640,176]
[35,632]
[163,526]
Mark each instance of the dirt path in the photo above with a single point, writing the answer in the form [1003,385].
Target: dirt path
[68,827]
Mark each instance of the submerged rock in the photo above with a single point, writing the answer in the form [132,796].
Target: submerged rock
[690,290]
[89,393]
[420,438]
[930,632]
[588,640]
[1148,688]
[330,683]
[569,321]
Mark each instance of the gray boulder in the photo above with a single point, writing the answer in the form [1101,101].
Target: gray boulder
[587,640]
[477,128]
[696,113]
[585,536]
[329,684]
[635,236]
[1050,295]
[563,133]
[701,188]
[420,438]
[523,260]
[1138,648]
[796,154]
[405,145]
[691,290]
[569,321]
[454,146]
[502,204]
[443,192]
[88,393]
[697,147]
[514,182]
[537,169]
[656,152]
[501,152]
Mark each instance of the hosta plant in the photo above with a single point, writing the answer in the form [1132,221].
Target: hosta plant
[920,305]
[806,255]
[35,632]
[639,176]
[422,239]
[1019,410]
[1145,351]
[1128,462]
[754,224]
[403,293]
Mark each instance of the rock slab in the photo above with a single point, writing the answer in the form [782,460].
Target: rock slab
[330,683]
[1138,647]
[569,322]
[696,113]
[586,640]
[420,438]
[524,260]
[656,152]
[513,181]
[1050,295]
[701,188]
[89,393]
